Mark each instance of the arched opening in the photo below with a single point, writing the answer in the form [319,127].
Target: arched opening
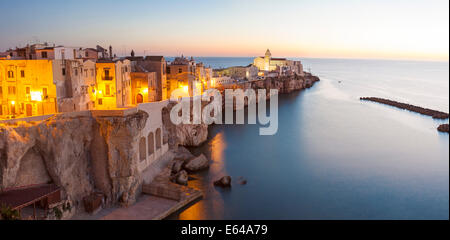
[139,98]
[151,144]
[158,138]
[142,149]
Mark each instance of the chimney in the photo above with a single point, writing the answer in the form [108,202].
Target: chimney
[110,52]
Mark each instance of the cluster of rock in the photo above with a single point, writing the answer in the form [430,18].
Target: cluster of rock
[185,163]
[425,111]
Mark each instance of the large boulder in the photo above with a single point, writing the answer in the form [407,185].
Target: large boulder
[182,178]
[224,182]
[177,166]
[183,154]
[197,164]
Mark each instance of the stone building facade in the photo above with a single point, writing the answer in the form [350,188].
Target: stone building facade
[26,88]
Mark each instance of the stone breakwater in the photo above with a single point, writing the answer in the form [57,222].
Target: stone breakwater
[444,128]
[425,111]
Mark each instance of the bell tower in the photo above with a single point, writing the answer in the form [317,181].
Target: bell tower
[267,58]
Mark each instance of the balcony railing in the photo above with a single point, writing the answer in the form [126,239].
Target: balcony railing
[107,78]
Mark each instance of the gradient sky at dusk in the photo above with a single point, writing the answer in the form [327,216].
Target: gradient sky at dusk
[401,29]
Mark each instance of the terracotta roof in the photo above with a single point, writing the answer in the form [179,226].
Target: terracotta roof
[154,58]
[21,197]
[135,58]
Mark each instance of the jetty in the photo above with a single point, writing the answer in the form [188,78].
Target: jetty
[424,111]
[444,128]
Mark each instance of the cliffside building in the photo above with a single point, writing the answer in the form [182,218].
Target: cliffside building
[269,64]
[105,93]
[26,88]
[155,64]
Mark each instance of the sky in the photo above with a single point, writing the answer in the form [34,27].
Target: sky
[396,29]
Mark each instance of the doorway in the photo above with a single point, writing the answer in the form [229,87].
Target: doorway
[29,110]
[139,98]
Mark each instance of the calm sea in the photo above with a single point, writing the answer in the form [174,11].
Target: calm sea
[335,157]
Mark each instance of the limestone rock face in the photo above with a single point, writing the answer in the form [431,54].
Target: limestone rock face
[116,166]
[55,150]
[192,135]
[189,135]
[197,164]
[81,154]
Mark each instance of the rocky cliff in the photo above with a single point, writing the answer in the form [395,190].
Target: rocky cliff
[194,135]
[81,154]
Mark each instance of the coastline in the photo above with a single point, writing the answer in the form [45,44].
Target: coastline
[284,85]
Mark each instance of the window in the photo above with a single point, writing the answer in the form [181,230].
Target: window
[180,70]
[158,138]
[142,149]
[64,72]
[27,90]
[1,92]
[100,101]
[11,90]
[86,54]
[138,83]
[85,73]
[44,54]
[168,70]
[151,144]
[76,72]
[10,74]
[92,72]
[22,73]
[106,73]
[44,92]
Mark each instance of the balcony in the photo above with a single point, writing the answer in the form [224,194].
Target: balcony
[107,78]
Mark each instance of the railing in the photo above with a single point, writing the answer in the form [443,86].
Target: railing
[109,78]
